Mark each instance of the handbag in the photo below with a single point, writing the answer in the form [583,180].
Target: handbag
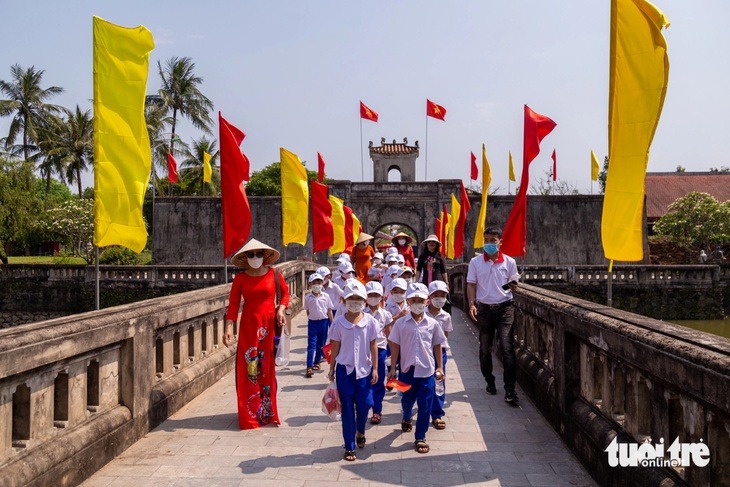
[331,402]
[282,352]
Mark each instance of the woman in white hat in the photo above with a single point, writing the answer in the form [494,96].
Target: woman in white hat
[361,256]
[261,318]
[431,264]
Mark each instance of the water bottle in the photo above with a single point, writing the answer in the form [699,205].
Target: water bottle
[440,388]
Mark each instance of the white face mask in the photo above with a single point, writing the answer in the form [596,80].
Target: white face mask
[438,302]
[417,308]
[255,262]
[355,306]
[401,241]
[346,276]
[399,297]
[316,288]
[374,301]
[376,261]
[407,279]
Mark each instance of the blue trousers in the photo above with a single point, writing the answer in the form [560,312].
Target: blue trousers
[437,411]
[356,398]
[316,339]
[379,388]
[421,393]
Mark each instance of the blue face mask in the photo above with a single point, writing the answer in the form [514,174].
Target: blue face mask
[491,248]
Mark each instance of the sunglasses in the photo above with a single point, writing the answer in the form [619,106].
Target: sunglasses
[252,255]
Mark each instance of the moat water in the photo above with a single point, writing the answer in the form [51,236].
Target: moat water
[716,327]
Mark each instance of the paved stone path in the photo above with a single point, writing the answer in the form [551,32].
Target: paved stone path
[486,441]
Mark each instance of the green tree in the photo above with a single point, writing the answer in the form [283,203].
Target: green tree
[603,175]
[696,220]
[267,181]
[72,223]
[181,95]
[157,119]
[192,169]
[27,105]
[19,205]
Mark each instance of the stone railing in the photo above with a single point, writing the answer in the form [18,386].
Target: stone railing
[598,373]
[77,391]
[693,275]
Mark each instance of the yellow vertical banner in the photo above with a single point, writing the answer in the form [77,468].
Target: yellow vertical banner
[638,74]
[453,219]
[355,228]
[511,168]
[207,168]
[486,181]
[338,224]
[595,167]
[122,157]
[294,199]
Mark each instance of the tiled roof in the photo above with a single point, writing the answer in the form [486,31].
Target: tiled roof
[663,188]
[394,149]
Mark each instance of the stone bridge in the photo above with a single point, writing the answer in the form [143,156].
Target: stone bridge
[80,391]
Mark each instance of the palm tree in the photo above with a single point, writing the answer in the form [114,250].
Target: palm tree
[156,119]
[192,164]
[27,105]
[181,95]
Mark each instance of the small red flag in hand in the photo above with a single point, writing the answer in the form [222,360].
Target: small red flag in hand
[320,167]
[555,167]
[367,113]
[171,168]
[474,168]
[397,385]
[434,110]
[327,349]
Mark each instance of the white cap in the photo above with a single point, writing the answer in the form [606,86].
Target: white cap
[401,259]
[405,269]
[392,250]
[378,255]
[417,290]
[394,269]
[437,286]
[314,277]
[374,287]
[323,271]
[391,258]
[398,283]
[345,267]
[344,256]
[353,287]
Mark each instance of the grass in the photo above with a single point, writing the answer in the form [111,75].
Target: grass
[57,260]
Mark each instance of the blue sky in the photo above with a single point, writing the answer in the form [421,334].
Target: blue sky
[292,73]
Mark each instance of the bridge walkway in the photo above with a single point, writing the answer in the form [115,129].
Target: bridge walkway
[486,441]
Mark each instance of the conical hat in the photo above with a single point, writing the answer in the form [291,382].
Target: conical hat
[240,259]
[363,237]
[403,235]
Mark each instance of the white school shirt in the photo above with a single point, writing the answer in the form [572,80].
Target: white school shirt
[376,273]
[394,308]
[383,317]
[489,277]
[355,343]
[416,341]
[317,305]
[444,321]
[334,292]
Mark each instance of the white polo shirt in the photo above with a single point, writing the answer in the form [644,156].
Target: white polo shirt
[416,341]
[489,277]
[318,305]
[334,292]
[383,317]
[444,321]
[355,343]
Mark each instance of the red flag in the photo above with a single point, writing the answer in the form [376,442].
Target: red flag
[461,223]
[444,226]
[474,168]
[171,168]
[349,235]
[434,110]
[320,167]
[555,167]
[323,236]
[367,113]
[234,168]
[515,230]
[438,228]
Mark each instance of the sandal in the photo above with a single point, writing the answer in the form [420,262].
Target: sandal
[350,456]
[376,418]
[422,446]
[406,426]
[309,373]
[438,424]
[315,366]
[360,441]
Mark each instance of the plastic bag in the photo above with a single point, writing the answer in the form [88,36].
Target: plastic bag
[282,352]
[331,402]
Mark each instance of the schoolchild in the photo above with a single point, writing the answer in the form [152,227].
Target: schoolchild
[342,258]
[318,306]
[333,290]
[377,268]
[401,260]
[346,272]
[354,363]
[385,321]
[406,273]
[437,292]
[390,274]
[396,303]
[416,339]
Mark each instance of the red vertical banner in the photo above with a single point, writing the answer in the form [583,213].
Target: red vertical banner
[474,168]
[461,223]
[320,167]
[349,234]
[323,236]
[234,171]
[444,226]
[555,166]
[171,168]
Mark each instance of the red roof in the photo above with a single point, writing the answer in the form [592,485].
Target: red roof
[394,149]
[664,188]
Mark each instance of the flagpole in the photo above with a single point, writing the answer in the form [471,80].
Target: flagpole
[609,293]
[362,160]
[225,270]
[426,147]
[96,277]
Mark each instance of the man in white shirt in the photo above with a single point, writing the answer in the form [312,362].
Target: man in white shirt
[490,281]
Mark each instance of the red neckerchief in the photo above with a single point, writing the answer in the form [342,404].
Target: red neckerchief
[500,259]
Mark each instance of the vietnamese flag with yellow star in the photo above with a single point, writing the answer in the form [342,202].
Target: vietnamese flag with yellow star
[434,110]
[367,113]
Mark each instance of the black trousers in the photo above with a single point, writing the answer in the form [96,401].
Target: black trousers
[497,323]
